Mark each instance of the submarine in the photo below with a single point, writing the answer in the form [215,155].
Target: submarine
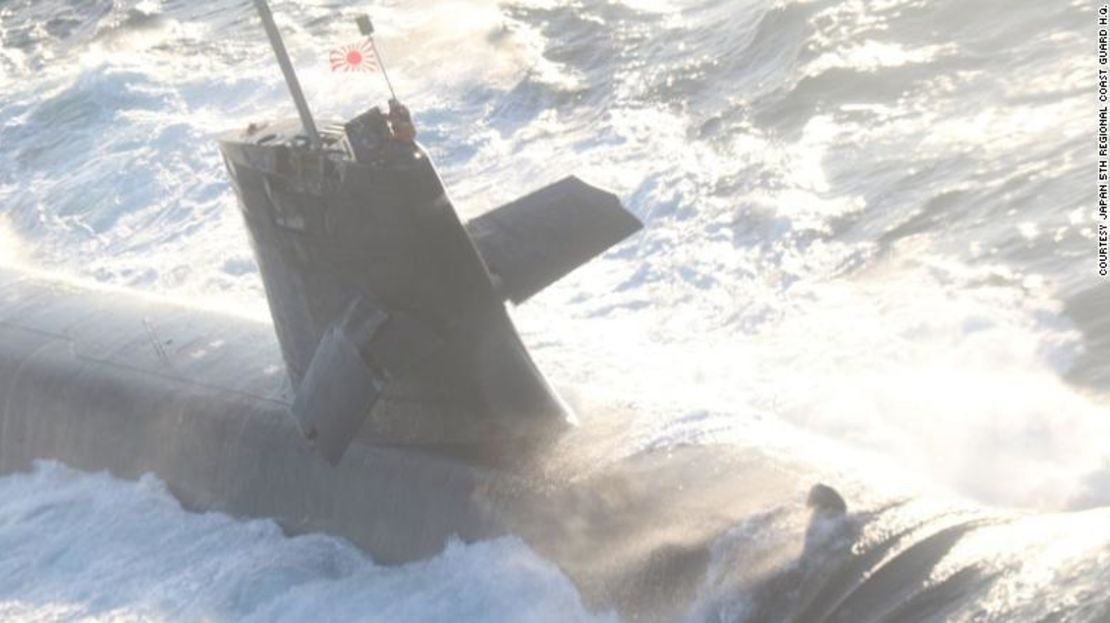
[389,311]
[390,401]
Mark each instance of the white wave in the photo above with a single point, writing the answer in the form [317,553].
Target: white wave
[87,547]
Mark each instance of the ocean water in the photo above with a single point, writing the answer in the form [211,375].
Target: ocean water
[868,244]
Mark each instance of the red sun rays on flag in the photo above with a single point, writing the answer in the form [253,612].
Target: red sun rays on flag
[354,57]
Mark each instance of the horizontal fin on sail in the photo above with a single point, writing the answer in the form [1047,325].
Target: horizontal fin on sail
[358,356]
[534,241]
[336,395]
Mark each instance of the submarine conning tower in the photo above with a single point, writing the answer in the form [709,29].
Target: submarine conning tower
[390,312]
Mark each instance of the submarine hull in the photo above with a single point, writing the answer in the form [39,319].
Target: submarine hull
[104,380]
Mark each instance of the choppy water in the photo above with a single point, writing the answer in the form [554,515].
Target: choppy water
[868,241]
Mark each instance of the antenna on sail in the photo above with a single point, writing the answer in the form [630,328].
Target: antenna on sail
[287,69]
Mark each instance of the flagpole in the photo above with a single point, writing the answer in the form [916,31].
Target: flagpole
[381,64]
[367,29]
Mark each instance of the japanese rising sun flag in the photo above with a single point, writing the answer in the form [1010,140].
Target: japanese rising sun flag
[354,57]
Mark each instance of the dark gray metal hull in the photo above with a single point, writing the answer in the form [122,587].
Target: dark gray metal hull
[103,380]
[82,381]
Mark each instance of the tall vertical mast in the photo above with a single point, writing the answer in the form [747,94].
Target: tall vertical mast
[290,75]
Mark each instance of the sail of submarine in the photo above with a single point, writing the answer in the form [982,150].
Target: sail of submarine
[386,306]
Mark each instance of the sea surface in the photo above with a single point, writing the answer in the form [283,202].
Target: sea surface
[869,243]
